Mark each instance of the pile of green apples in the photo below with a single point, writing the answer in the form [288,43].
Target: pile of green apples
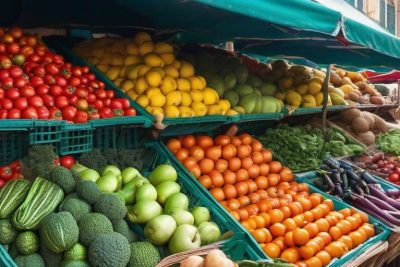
[158,204]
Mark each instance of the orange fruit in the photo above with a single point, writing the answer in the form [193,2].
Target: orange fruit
[306,252]
[305,203]
[336,249]
[277,229]
[317,213]
[206,166]
[324,208]
[338,215]
[346,212]
[266,218]
[233,204]
[252,223]
[289,239]
[329,203]
[268,236]
[335,232]
[363,216]
[315,199]
[347,241]
[290,255]
[295,208]
[323,225]
[319,241]
[188,141]
[299,219]
[218,194]
[286,211]
[357,237]
[355,222]
[272,250]
[308,216]
[204,141]
[332,219]
[368,229]
[243,214]
[259,235]
[313,262]
[290,224]
[312,229]
[275,166]
[260,221]
[280,241]
[324,257]
[326,237]
[174,145]
[276,216]
[344,226]
[300,236]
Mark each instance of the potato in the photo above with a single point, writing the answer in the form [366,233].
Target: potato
[367,138]
[370,118]
[360,125]
[347,116]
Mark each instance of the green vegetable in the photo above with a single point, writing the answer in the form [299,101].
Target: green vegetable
[144,254]
[389,142]
[12,195]
[38,162]
[59,231]
[7,232]
[122,227]
[75,263]
[43,198]
[63,178]
[88,191]
[76,252]
[77,207]
[31,260]
[112,206]
[27,243]
[275,263]
[50,258]
[93,225]
[68,197]
[109,250]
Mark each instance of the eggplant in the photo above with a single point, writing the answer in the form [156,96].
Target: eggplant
[329,182]
[368,178]
[381,195]
[393,193]
[364,186]
[345,165]
[345,181]
[332,163]
[338,190]
[325,167]
[352,175]
[335,176]
[381,203]
[356,188]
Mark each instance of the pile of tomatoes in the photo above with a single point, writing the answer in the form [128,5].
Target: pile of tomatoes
[36,83]
[10,172]
[283,216]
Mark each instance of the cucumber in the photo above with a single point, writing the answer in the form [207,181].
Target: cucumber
[12,195]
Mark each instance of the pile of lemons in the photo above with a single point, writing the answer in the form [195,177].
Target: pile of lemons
[151,75]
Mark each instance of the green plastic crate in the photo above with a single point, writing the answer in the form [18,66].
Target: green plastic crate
[303,111]
[76,138]
[13,146]
[382,235]
[45,131]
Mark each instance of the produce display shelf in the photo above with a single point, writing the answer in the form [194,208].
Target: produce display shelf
[263,117]
[63,44]
[383,230]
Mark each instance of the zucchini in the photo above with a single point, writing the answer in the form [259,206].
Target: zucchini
[12,195]
[43,198]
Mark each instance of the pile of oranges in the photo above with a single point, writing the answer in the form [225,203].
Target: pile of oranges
[283,216]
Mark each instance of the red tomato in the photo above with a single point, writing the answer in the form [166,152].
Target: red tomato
[81,117]
[21,103]
[61,101]
[82,92]
[85,69]
[34,58]
[20,82]
[12,93]
[28,91]
[4,74]
[116,103]
[3,114]
[36,101]
[17,176]
[67,161]
[130,112]
[43,113]
[91,98]
[39,71]
[55,114]
[69,90]
[6,104]
[56,90]
[2,183]
[74,81]
[61,81]
[394,177]
[52,69]
[110,94]
[30,113]
[35,81]
[106,113]
[76,71]
[69,113]
[15,165]
[107,102]
[48,101]
[118,112]
[84,80]
[13,48]
[101,94]
[15,71]
[2,93]
[73,100]
[94,114]
[5,173]
[98,104]
[91,76]
[14,114]
[43,90]
[49,79]
[82,104]
[7,82]
[125,103]
[56,162]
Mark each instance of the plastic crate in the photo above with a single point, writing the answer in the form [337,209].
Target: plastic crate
[45,131]
[5,259]
[13,146]
[382,234]
[76,138]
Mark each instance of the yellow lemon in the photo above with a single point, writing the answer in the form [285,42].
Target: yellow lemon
[142,37]
[214,110]
[160,71]
[196,95]
[239,109]
[168,58]
[168,84]
[156,111]
[186,70]
[199,108]
[174,98]
[132,60]
[231,112]
[122,72]
[127,85]
[143,70]
[141,85]
[132,49]
[210,96]
[132,72]
[302,89]
[142,100]
[103,68]
[183,84]
[171,71]
[118,82]
[112,73]
[196,83]
[161,48]
[153,60]
[176,64]
[225,105]
[132,94]
[314,88]
[186,99]
[171,112]
[146,48]
[149,109]
[186,112]
[153,78]
[203,81]
[117,60]
[319,98]
[157,100]
[152,91]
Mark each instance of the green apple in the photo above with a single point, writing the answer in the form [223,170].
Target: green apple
[111,168]
[177,200]
[162,173]
[186,237]
[209,232]
[146,192]
[181,216]
[128,174]
[165,190]
[160,229]
[90,175]
[143,211]
[108,182]
[78,168]
[200,214]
